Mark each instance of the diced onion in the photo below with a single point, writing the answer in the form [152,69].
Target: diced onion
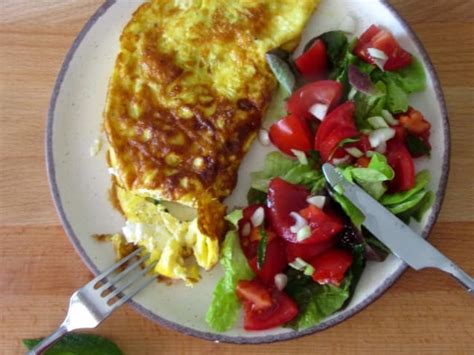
[382,148]
[303,234]
[379,57]
[114,171]
[280,281]
[341,161]
[355,152]
[352,93]
[377,53]
[301,156]
[388,117]
[246,229]
[380,135]
[319,111]
[317,201]
[263,137]
[298,264]
[258,217]
[300,222]
[377,122]
[309,270]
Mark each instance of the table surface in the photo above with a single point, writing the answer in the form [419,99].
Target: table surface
[423,312]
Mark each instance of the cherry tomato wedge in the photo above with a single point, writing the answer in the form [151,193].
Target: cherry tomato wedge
[307,251]
[329,147]
[323,225]
[341,117]
[331,266]
[274,262]
[313,63]
[283,310]
[362,162]
[326,92]
[383,40]
[414,122]
[284,198]
[291,133]
[402,163]
[255,293]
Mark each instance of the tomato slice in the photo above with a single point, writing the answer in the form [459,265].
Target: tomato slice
[282,311]
[384,41]
[328,147]
[313,63]
[414,122]
[291,133]
[255,293]
[363,162]
[307,251]
[341,117]
[274,262]
[326,92]
[284,198]
[248,235]
[331,266]
[323,226]
[402,163]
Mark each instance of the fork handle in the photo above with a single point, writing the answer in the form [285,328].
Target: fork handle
[48,341]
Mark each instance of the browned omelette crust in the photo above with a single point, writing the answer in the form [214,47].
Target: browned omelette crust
[177,122]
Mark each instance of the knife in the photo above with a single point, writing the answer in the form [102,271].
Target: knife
[396,235]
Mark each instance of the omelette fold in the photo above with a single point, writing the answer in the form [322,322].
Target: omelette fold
[185,100]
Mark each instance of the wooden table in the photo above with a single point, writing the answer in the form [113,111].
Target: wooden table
[424,312]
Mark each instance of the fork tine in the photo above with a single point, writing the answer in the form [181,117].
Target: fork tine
[115,266]
[125,298]
[129,282]
[123,273]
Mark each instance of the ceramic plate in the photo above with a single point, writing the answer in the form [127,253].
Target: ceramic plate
[79,182]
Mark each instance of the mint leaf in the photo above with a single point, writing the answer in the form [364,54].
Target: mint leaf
[224,308]
[78,344]
[416,146]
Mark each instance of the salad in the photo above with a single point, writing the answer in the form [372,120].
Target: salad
[294,255]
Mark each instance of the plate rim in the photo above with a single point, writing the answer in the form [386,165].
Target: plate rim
[217,337]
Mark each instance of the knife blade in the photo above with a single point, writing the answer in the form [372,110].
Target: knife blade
[396,235]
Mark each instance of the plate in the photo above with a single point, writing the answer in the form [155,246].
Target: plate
[79,182]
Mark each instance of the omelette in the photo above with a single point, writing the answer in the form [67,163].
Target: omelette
[185,100]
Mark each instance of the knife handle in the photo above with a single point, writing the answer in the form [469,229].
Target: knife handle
[459,274]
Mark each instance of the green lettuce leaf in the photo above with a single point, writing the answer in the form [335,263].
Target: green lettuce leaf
[369,105]
[276,164]
[78,344]
[424,205]
[355,215]
[316,302]
[224,308]
[397,98]
[422,180]
[416,146]
[411,78]
[234,217]
[372,178]
[408,204]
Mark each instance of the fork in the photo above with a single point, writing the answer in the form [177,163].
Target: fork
[97,299]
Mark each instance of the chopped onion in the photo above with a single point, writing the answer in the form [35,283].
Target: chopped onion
[301,156]
[246,229]
[382,148]
[352,93]
[300,222]
[377,122]
[280,281]
[341,161]
[317,201]
[263,137]
[380,135]
[348,24]
[309,270]
[355,152]
[303,233]
[319,111]
[377,53]
[388,117]
[379,57]
[298,264]
[360,81]
[258,217]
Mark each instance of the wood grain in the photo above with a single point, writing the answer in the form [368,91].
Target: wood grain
[424,312]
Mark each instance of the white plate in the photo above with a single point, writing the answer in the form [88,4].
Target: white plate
[79,182]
